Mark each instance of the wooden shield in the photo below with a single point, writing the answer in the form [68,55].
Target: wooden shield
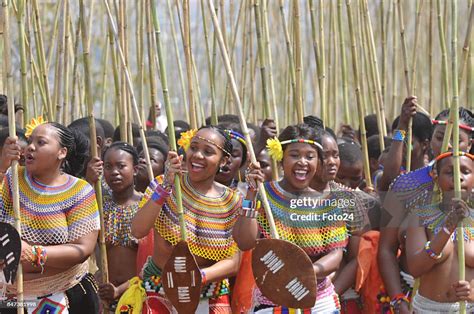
[284,273]
[182,279]
[10,251]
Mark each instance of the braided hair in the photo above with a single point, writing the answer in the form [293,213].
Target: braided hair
[126,148]
[77,145]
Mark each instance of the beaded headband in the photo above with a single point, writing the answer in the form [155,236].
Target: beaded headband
[236,136]
[448,154]
[461,126]
[33,124]
[275,147]
[186,138]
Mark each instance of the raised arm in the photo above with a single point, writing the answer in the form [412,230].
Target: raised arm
[146,216]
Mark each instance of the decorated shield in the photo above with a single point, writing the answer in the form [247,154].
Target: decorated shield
[10,251]
[182,279]
[284,273]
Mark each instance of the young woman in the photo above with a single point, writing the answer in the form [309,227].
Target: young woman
[210,211]
[59,219]
[404,190]
[322,240]
[431,240]
[158,152]
[120,168]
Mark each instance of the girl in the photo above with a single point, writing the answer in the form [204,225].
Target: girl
[209,211]
[120,168]
[323,241]
[59,219]
[324,182]
[158,153]
[229,173]
[405,189]
[431,247]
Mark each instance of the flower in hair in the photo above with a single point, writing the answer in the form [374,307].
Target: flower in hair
[185,139]
[275,150]
[33,124]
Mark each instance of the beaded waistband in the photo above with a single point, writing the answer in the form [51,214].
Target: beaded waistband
[152,283]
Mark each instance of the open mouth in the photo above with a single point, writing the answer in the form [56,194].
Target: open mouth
[196,167]
[301,175]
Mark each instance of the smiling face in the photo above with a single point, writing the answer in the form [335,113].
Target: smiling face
[445,176]
[119,170]
[300,161]
[44,153]
[203,158]
[230,169]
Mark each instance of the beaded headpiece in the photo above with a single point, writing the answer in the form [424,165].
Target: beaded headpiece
[33,124]
[461,126]
[237,136]
[275,147]
[445,155]
[186,138]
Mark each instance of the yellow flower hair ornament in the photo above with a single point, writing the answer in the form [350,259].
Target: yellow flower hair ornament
[275,147]
[185,139]
[33,124]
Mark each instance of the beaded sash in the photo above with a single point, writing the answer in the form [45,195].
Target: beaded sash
[316,229]
[209,221]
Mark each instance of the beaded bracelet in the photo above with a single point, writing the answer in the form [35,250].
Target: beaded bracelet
[160,195]
[398,299]
[40,256]
[203,278]
[248,212]
[399,135]
[431,253]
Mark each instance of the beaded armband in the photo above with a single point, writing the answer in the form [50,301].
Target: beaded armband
[203,278]
[160,195]
[249,209]
[399,135]
[431,253]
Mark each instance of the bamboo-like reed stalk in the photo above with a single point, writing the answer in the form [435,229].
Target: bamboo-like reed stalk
[360,106]
[333,87]
[104,80]
[394,60]
[456,157]
[375,77]
[419,9]
[178,61]
[444,60]
[59,67]
[342,50]
[407,82]
[151,67]
[298,97]
[214,120]
[42,60]
[113,59]
[55,34]
[12,132]
[289,50]
[242,118]
[65,91]
[169,115]
[24,83]
[93,139]
[465,48]
[189,66]
[268,53]
[75,75]
[261,59]
[430,60]
[383,39]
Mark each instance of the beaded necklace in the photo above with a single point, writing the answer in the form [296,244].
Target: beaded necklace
[209,221]
[118,222]
[316,228]
[433,219]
